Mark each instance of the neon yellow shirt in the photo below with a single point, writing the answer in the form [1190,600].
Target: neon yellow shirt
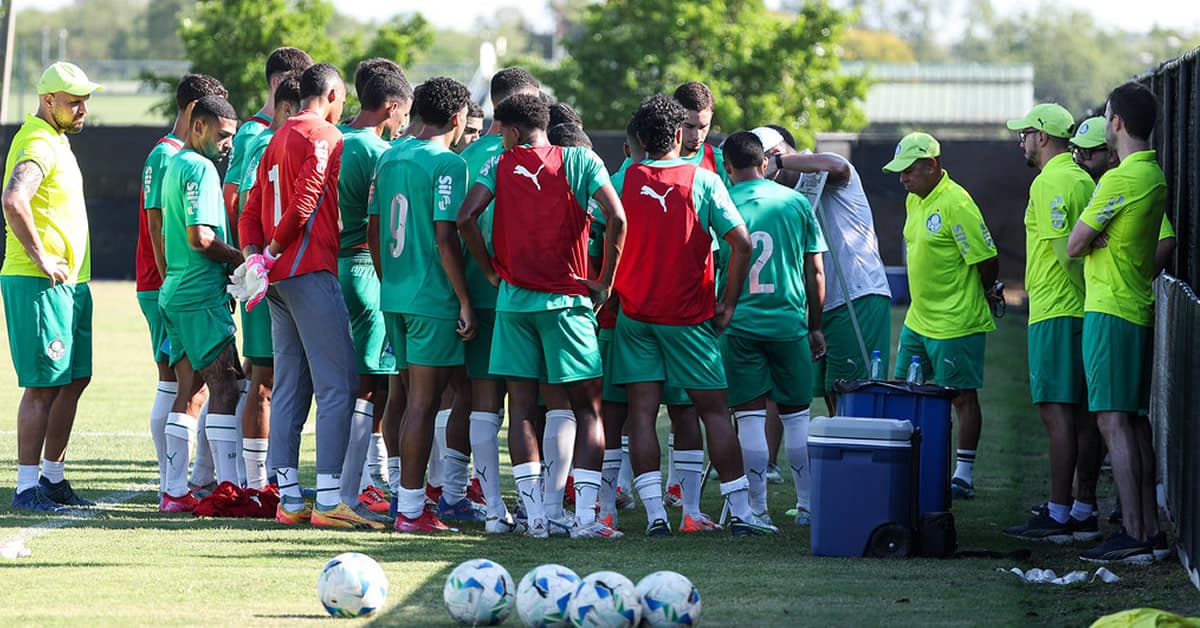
[1128,207]
[945,237]
[1056,199]
[59,212]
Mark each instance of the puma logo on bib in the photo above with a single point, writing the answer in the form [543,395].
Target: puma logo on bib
[662,200]
[532,176]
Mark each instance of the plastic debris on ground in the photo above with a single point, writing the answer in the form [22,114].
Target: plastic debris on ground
[14,549]
[1047,576]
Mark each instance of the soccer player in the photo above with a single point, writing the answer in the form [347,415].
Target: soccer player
[290,232]
[562,113]
[426,306]
[952,267]
[1116,235]
[667,330]
[150,263]
[194,303]
[775,334]
[697,100]
[474,126]
[568,134]
[487,390]
[545,325]
[1054,281]
[44,283]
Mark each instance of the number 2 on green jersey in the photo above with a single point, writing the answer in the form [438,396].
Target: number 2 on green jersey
[768,247]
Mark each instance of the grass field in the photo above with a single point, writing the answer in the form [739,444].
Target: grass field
[130,565]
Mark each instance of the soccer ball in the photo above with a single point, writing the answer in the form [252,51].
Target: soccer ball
[352,585]
[543,594]
[479,592]
[668,599]
[605,599]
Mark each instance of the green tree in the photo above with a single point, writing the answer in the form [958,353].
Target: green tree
[880,46]
[761,67]
[403,40]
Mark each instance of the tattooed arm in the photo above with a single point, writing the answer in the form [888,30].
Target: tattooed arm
[22,185]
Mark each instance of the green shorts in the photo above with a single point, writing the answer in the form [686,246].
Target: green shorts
[256,333]
[555,346]
[843,356]
[1116,359]
[49,330]
[779,369]
[200,335]
[953,362]
[159,347]
[423,340]
[1056,361]
[615,393]
[360,289]
[681,356]
[479,348]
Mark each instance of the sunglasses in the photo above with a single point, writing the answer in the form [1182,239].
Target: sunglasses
[1087,153]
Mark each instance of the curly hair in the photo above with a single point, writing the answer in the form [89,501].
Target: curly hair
[196,86]
[382,88]
[509,81]
[657,121]
[285,59]
[524,111]
[694,96]
[368,68]
[439,99]
[568,134]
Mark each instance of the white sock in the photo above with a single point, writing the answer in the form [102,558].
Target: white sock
[243,391]
[558,449]
[329,486]
[1059,512]
[737,495]
[485,447]
[203,470]
[254,452]
[609,470]
[355,459]
[966,464]
[27,477]
[393,466]
[222,432]
[164,398]
[587,488]
[288,481]
[649,488]
[180,434]
[691,473]
[528,477]
[52,471]
[410,502]
[795,435]
[672,470]
[1081,511]
[377,471]
[436,473]
[625,477]
[455,475]
[755,456]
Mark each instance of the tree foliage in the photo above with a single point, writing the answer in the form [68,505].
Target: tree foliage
[762,68]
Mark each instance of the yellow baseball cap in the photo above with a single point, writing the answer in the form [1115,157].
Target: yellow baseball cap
[66,77]
[914,146]
[1052,118]
[1090,133]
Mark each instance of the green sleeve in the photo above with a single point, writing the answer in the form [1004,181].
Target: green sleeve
[152,179]
[450,179]
[1107,202]
[203,194]
[39,151]
[970,232]
[586,173]
[251,174]
[487,174]
[238,154]
[814,240]
[1050,212]
[716,209]
[1166,230]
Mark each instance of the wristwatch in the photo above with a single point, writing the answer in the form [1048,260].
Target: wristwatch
[779,161]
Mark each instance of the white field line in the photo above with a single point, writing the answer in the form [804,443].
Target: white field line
[82,514]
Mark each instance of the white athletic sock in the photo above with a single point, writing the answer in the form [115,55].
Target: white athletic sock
[1081,511]
[222,432]
[164,398]
[393,466]
[755,456]
[672,470]
[52,471]
[1059,512]
[558,449]
[180,434]
[329,486]
[625,477]
[436,472]
[377,471]
[27,477]
[288,481]
[587,488]
[528,477]
[795,435]
[485,447]
[691,473]
[455,475]
[243,391]
[737,495]
[649,488]
[609,470]
[966,464]
[203,469]
[254,452]
[410,502]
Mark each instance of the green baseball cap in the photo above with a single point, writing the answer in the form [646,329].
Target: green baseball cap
[1052,118]
[66,77]
[914,146]
[1090,133]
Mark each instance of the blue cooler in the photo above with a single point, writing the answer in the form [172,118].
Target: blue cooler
[862,481]
[928,407]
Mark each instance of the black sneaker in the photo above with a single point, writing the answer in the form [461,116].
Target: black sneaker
[1043,527]
[1036,508]
[961,489]
[62,493]
[1086,530]
[659,528]
[1162,547]
[1120,548]
[31,499]
[754,527]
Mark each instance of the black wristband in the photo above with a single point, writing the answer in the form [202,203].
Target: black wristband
[779,161]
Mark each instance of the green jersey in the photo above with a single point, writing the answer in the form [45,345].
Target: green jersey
[242,142]
[361,149]
[1056,199]
[192,196]
[1128,206]
[254,153]
[783,230]
[477,155]
[417,183]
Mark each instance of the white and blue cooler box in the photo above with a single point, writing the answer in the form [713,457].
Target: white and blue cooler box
[862,486]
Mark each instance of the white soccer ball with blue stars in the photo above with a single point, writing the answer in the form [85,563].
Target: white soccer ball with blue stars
[668,600]
[543,594]
[605,599]
[352,585]
[479,592]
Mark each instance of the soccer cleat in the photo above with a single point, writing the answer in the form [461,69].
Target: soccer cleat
[802,517]
[763,517]
[32,500]
[432,494]
[1161,546]
[1086,530]
[658,528]
[475,492]
[393,506]
[62,493]
[753,527]
[560,527]
[702,523]
[536,529]
[772,475]
[178,504]
[673,496]
[1034,510]
[200,491]
[609,520]
[1043,527]
[342,516]
[594,530]
[1121,548]
[462,510]
[426,522]
[293,517]
[625,500]
[961,489]
[501,525]
[373,499]
[569,493]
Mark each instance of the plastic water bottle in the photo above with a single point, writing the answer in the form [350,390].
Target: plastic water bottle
[916,374]
[876,366]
